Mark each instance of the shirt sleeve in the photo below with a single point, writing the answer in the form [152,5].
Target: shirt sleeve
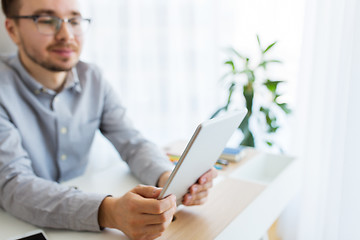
[144,158]
[41,202]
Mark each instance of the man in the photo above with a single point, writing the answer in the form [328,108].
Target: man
[51,105]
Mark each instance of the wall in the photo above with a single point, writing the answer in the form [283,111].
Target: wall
[6,45]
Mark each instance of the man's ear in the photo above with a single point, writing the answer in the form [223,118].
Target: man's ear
[13,30]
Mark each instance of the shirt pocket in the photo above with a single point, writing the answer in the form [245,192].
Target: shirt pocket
[88,129]
[83,134]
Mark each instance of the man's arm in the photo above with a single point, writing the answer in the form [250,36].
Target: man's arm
[38,201]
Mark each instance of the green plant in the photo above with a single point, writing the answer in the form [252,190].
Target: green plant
[242,66]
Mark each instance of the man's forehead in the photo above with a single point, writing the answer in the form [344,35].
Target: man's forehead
[53,7]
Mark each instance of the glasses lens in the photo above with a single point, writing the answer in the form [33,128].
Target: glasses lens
[50,25]
[79,25]
[47,24]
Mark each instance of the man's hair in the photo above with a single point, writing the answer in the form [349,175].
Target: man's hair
[10,7]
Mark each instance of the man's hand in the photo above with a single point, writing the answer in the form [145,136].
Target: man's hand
[198,192]
[138,213]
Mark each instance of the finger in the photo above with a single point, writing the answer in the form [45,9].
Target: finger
[155,206]
[190,200]
[196,188]
[154,236]
[208,176]
[147,232]
[199,195]
[199,201]
[157,229]
[150,219]
[153,231]
[147,191]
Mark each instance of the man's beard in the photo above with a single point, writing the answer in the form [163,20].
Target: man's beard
[47,64]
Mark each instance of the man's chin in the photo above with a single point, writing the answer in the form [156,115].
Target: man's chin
[53,63]
[59,67]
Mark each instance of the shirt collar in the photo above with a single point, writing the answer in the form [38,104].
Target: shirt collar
[71,81]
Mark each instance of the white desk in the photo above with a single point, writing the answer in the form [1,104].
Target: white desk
[246,199]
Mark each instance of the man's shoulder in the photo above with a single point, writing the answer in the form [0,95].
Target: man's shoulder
[89,74]
[6,70]
[7,75]
[87,68]
[5,60]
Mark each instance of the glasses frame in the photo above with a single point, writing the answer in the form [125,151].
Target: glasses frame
[59,22]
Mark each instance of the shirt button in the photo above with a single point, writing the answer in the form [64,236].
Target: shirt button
[63,130]
[63,157]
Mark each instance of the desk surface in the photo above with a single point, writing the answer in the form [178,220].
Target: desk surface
[237,206]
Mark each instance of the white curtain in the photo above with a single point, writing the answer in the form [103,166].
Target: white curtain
[165,57]
[328,130]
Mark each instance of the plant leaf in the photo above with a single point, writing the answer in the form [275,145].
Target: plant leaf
[231,90]
[272,126]
[272,85]
[284,107]
[244,125]
[250,75]
[231,63]
[264,63]
[225,76]
[246,65]
[258,39]
[248,139]
[270,46]
[237,53]
[276,97]
[274,61]
[225,108]
[264,110]
[273,129]
[217,112]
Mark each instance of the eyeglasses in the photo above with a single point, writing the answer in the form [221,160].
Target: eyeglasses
[50,25]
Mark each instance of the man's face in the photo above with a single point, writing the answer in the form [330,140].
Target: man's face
[59,52]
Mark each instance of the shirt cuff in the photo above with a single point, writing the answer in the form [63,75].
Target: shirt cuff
[86,216]
[153,174]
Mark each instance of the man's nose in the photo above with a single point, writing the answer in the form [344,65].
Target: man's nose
[65,32]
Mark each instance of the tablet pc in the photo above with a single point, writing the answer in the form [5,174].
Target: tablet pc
[33,235]
[201,152]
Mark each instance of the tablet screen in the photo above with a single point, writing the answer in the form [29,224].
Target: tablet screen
[33,235]
[201,153]
[37,236]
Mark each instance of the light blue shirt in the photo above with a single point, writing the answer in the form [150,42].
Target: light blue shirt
[45,139]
